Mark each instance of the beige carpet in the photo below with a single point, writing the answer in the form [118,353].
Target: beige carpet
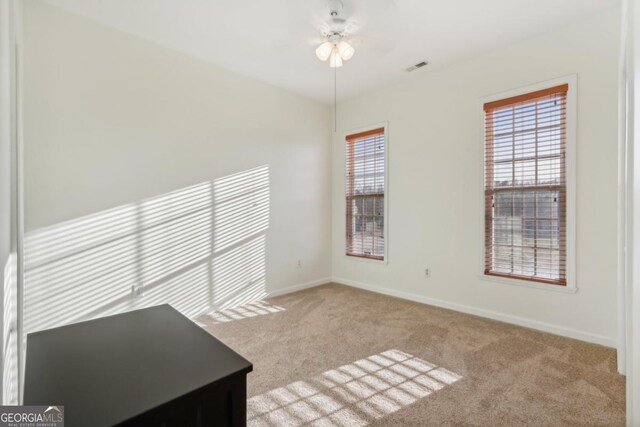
[335,355]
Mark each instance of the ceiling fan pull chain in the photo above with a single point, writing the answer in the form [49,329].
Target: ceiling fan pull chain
[335,99]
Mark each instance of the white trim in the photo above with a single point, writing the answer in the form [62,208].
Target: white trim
[570,164]
[274,293]
[507,318]
[267,295]
[299,287]
[19,80]
[343,137]
[623,193]
[633,290]
[497,280]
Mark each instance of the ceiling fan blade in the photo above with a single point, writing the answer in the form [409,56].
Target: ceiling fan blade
[381,45]
[288,44]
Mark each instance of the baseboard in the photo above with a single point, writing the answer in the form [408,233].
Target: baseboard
[507,318]
[299,287]
[265,295]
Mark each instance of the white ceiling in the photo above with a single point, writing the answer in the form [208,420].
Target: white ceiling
[273,40]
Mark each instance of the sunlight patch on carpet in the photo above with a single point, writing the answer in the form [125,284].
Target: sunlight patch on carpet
[351,395]
[258,308]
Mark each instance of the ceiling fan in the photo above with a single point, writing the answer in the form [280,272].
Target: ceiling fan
[336,49]
[341,35]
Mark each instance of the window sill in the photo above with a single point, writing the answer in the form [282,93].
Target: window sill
[526,284]
[367,260]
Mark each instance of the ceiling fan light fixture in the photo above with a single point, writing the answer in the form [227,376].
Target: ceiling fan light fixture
[323,52]
[335,61]
[345,49]
[335,47]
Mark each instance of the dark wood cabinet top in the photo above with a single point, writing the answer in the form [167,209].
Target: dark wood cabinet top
[108,370]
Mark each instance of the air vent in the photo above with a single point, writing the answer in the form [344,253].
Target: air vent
[418,65]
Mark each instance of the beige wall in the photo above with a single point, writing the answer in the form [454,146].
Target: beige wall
[435,167]
[147,168]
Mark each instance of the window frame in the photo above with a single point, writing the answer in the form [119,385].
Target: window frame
[343,141]
[570,170]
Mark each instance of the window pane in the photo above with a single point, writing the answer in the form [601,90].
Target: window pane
[524,151]
[365,195]
[503,174]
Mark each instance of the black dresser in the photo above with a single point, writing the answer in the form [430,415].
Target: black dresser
[150,367]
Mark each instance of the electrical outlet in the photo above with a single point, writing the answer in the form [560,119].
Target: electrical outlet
[299,263]
[427,272]
[136,291]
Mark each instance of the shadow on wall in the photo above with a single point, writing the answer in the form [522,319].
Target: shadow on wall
[197,248]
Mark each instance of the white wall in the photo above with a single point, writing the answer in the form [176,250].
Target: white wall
[149,169]
[8,235]
[5,165]
[5,133]
[127,142]
[435,148]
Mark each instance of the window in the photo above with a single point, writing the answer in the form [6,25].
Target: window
[365,180]
[526,186]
